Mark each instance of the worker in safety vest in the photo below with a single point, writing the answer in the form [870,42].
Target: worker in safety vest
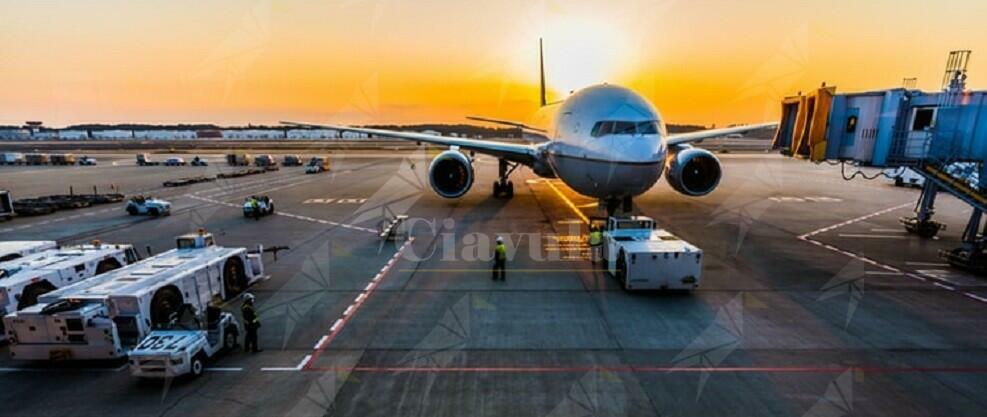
[595,243]
[255,206]
[250,323]
[500,260]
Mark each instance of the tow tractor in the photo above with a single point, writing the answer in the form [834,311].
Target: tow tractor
[643,257]
[265,206]
[148,205]
[185,344]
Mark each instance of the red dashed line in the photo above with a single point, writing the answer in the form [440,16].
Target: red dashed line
[340,323]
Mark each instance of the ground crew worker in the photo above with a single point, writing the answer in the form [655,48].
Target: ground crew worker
[500,260]
[250,323]
[255,207]
[595,243]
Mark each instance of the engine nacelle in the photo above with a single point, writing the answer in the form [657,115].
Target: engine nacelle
[451,174]
[692,171]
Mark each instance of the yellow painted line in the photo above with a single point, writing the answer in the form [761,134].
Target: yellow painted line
[568,202]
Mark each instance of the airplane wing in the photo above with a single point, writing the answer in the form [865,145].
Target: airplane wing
[515,152]
[682,138]
[505,123]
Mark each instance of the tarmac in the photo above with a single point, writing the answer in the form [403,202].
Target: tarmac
[814,301]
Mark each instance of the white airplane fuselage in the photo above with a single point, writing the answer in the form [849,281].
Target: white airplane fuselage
[589,156]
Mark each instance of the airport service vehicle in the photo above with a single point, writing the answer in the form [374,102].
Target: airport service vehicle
[24,279]
[265,206]
[37,159]
[317,164]
[63,159]
[643,257]
[292,161]
[148,205]
[87,161]
[185,344]
[144,159]
[14,249]
[603,141]
[904,176]
[107,316]
[239,159]
[200,162]
[11,158]
[264,161]
[174,161]
[6,205]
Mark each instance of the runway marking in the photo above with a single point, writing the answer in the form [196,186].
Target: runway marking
[360,300]
[926,263]
[223,369]
[883,273]
[866,236]
[289,215]
[568,202]
[655,369]
[924,277]
[56,220]
[305,361]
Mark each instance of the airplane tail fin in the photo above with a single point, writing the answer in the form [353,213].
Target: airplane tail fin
[541,69]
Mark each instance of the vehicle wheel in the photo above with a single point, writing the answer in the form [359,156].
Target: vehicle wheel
[234,277]
[131,210]
[230,338]
[153,212]
[198,365]
[165,302]
[29,296]
[898,182]
[106,266]
[621,270]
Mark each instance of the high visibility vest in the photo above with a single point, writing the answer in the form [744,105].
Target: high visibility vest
[501,251]
[595,238]
[249,314]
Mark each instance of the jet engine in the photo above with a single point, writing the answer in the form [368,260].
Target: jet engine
[692,171]
[451,174]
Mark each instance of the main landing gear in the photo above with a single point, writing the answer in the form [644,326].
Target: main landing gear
[503,187]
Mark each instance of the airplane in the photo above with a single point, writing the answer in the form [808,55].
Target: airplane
[603,141]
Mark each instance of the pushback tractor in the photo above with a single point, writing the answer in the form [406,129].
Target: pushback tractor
[105,317]
[643,257]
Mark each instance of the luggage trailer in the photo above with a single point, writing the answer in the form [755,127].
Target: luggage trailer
[105,317]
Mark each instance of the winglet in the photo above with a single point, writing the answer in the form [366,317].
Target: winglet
[541,69]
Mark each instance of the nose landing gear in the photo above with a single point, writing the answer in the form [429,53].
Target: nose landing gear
[503,187]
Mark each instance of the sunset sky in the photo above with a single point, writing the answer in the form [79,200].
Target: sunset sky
[403,61]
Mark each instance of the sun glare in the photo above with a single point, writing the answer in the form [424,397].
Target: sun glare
[582,51]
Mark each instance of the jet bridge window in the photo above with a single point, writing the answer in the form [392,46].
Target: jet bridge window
[924,119]
[604,128]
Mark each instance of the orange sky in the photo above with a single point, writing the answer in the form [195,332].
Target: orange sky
[402,61]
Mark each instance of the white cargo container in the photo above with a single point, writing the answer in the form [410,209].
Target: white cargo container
[642,256]
[105,317]
[12,158]
[14,249]
[24,279]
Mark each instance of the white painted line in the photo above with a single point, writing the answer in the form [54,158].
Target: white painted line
[369,286]
[882,230]
[883,273]
[285,369]
[348,310]
[321,341]
[304,362]
[359,299]
[941,285]
[224,369]
[865,236]
[975,297]
[926,263]
[336,325]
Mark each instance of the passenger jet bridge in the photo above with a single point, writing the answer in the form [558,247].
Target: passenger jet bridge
[940,135]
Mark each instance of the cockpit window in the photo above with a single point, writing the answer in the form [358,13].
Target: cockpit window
[604,128]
